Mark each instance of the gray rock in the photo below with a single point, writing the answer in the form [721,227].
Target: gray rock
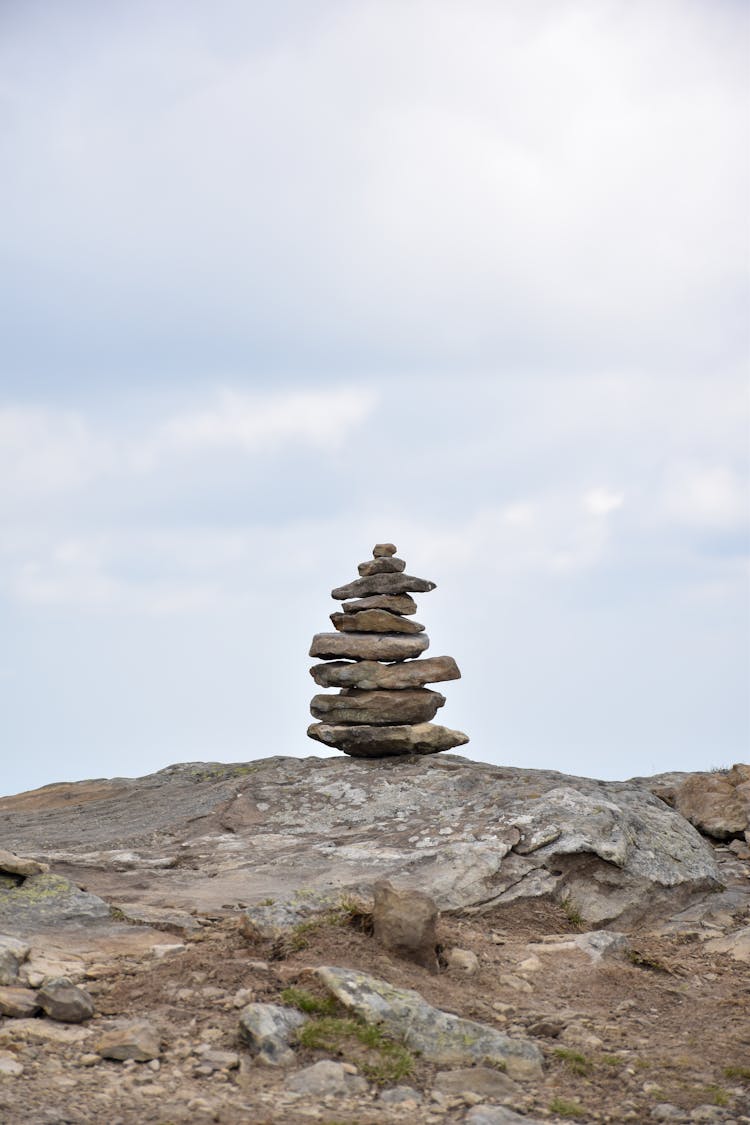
[382,550]
[370,676]
[12,953]
[267,1030]
[18,1003]
[384,564]
[404,922]
[398,1095]
[16,865]
[62,1000]
[414,705]
[375,621]
[394,603]
[324,1078]
[497,1115]
[270,921]
[439,1036]
[382,584]
[47,901]
[218,1060]
[10,1067]
[138,1040]
[482,1080]
[368,646]
[383,742]
[597,944]
[666,1111]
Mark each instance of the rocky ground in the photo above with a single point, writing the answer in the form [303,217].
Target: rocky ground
[590,925]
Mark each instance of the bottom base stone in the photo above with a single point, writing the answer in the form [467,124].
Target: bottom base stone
[363,741]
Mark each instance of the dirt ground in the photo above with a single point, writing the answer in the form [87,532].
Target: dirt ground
[666,1022]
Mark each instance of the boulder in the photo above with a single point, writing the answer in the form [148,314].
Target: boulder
[718,804]
[375,621]
[382,584]
[267,1029]
[438,1036]
[384,564]
[394,603]
[369,675]
[16,865]
[379,742]
[414,705]
[368,646]
[62,1000]
[47,901]
[404,922]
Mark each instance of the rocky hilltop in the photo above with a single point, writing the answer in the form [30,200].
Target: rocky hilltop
[422,939]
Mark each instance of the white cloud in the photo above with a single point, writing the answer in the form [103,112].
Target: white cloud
[601,501]
[255,423]
[705,496]
[44,452]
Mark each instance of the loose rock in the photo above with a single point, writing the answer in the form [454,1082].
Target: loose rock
[368,646]
[369,675]
[381,565]
[482,1080]
[375,621]
[18,1003]
[381,550]
[10,1067]
[267,1029]
[380,742]
[394,603]
[404,922]
[12,953]
[62,1000]
[325,1077]
[382,584]
[16,865]
[138,1040]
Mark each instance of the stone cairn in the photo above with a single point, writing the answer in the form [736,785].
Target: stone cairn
[383,707]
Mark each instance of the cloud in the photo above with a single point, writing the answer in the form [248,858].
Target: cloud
[45,452]
[601,501]
[712,497]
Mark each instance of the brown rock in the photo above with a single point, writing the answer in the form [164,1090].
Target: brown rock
[382,584]
[381,566]
[394,603]
[352,706]
[715,803]
[368,646]
[484,1080]
[138,1040]
[369,675]
[380,550]
[404,922]
[18,1003]
[62,1000]
[371,741]
[375,621]
[15,865]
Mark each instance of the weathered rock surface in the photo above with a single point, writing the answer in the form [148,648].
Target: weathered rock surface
[404,922]
[368,646]
[381,565]
[369,675]
[62,1000]
[394,603]
[381,550]
[268,1029]
[325,1078]
[382,584]
[439,1036]
[138,1040]
[483,1080]
[12,953]
[18,1003]
[718,803]
[46,900]
[380,742]
[375,621]
[414,705]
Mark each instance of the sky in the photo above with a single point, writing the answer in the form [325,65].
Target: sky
[282,281]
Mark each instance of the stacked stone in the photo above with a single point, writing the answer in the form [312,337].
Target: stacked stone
[383,707]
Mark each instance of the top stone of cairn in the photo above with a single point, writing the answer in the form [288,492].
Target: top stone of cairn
[383,550]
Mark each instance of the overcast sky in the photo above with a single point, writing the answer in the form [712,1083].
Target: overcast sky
[280,281]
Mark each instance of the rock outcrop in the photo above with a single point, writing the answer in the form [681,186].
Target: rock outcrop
[383,709]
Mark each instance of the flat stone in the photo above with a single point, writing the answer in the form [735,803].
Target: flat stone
[18,1003]
[374,621]
[380,550]
[404,922]
[383,565]
[62,1000]
[324,1078]
[415,705]
[484,1080]
[395,603]
[371,741]
[368,646]
[41,1031]
[267,1030]
[47,901]
[498,1115]
[138,1040]
[16,865]
[382,584]
[12,953]
[369,675]
[438,1036]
